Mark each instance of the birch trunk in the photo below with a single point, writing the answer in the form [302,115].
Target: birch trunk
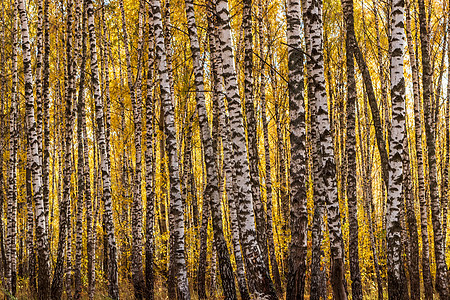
[36,170]
[368,198]
[413,247]
[298,172]
[254,262]
[176,208]
[12,193]
[396,288]
[447,138]
[149,166]
[58,278]
[46,112]
[211,192]
[90,232]
[426,273]
[252,130]
[325,169]
[350,146]
[134,87]
[201,275]
[439,247]
[104,164]
[82,192]
[268,169]
[230,188]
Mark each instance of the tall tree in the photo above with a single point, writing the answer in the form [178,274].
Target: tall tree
[351,154]
[426,273]
[134,86]
[176,205]
[268,169]
[81,183]
[439,247]
[325,189]
[36,166]
[104,164]
[299,217]
[254,263]
[396,288]
[230,175]
[252,130]
[11,276]
[211,192]
[64,216]
[149,167]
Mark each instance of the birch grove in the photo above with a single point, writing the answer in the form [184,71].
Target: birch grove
[226,149]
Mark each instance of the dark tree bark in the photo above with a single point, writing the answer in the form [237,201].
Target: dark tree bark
[351,154]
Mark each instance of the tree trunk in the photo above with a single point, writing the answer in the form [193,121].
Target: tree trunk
[368,198]
[318,289]
[447,139]
[413,247]
[230,188]
[11,276]
[268,169]
[350,146]
[41,229]
[209,142]
[325,190]
[299,217]
[149,166]
[252,131]
[134,87]
[177,208]
[46,113]
[396,288]
[439,247]
[82,191]
[255,265]
[112,268]
[201,274]
[426,273]
[58,278]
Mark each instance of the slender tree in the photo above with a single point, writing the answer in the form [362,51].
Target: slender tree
[176,205]
[268,168]
[299,217]
[396,289]
[426,273]
[64,219]
[11,276]
[252,130]
[104,164]
[36,170]
[254,263]
[351,154]
[81,183]
[325,170]
[211,192]
[439,247]
[149,166]
[134,86]
[230,175]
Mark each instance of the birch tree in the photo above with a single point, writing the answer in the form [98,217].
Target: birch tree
[396,289]
[439,247]
[351,154]
[104,163]
[176,205]
[255,266]
[299,216]
[36,170]
[325,170]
